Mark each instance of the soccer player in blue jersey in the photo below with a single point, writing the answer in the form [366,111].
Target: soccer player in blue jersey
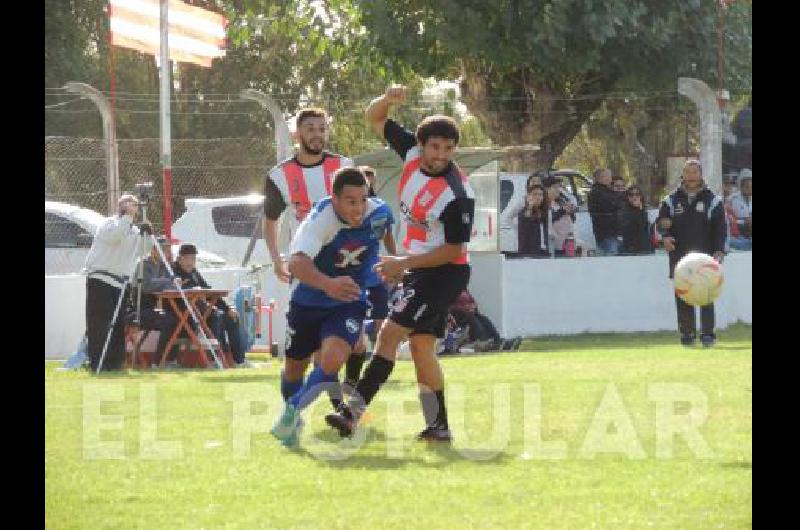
[331,254]
[378,303]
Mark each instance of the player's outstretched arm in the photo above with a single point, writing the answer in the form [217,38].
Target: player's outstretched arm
[378,110]
[392,268]
[342,288]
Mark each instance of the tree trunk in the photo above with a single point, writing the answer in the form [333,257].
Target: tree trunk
[517,111]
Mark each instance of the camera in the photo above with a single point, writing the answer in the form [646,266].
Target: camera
[144,191]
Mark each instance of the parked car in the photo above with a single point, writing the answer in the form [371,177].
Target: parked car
[69,232]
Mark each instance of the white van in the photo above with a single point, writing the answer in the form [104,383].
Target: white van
[224,226]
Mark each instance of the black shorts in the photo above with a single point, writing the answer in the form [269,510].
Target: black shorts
[423,299]
[378,298]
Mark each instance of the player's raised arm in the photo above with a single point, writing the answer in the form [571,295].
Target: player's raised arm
[378,110]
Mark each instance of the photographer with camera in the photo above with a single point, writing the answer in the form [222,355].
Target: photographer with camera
[107,268]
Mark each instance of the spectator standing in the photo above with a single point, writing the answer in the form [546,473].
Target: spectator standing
[742,207]
[107,268]
[603,208]
[533,223]
[562,218]
[634,225]
[692,219]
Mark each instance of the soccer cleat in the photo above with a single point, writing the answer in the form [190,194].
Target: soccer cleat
[687,340]
[293,440]
[284,429]
[708,340]
[342,420]
[436,433]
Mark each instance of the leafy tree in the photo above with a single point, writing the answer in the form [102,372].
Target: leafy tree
[533,71]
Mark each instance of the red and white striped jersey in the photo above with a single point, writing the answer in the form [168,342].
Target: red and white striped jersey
[301,187]
[422,201]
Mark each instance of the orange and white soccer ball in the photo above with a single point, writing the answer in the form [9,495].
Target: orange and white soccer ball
[698,279]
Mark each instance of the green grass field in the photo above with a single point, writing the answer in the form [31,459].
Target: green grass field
[191,449]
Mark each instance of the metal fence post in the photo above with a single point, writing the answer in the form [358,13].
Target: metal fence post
[109,138]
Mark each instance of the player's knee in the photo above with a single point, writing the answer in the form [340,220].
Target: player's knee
[390,336]
[294,369]
[333,355]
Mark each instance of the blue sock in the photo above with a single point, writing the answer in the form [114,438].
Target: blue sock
[289,388]
[311,388]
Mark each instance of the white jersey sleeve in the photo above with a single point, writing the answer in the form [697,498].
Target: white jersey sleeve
[316,231]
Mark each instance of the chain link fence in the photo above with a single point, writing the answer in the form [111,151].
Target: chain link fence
[223,147]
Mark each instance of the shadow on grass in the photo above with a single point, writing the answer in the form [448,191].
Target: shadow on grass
[243,378]
[737,465]
[436,454]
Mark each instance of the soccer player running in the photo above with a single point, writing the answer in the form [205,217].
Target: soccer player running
[438,206]
[330,256]
[377,296]
[297,184]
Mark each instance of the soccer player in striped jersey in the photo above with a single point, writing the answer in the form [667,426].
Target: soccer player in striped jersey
[437,206]
[297,184]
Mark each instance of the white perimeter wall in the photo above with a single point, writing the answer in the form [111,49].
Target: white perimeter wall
[528,297]
[523,297]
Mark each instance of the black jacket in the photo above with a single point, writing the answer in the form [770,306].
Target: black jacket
[634,228]
[604,209]
[194,279]
[532,235]
[697,225]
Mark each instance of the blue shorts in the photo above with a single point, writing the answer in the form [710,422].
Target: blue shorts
[307,327]
[378,298]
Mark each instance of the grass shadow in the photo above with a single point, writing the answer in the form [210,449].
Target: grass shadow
[738,464]
[435,455]
[243,378]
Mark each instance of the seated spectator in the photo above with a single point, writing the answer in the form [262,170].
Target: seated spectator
[532,218]
[224,320]
[562,218]
[476,329]
[604,207]
[156,277]
[634,225]
[741,205]
[729,185]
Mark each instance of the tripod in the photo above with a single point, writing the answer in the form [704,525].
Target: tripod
[138,263]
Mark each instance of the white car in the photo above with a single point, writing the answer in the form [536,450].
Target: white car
[68,234]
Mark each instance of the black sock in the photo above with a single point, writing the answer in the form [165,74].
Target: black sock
[441,417]
[377,372]
[354,363]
